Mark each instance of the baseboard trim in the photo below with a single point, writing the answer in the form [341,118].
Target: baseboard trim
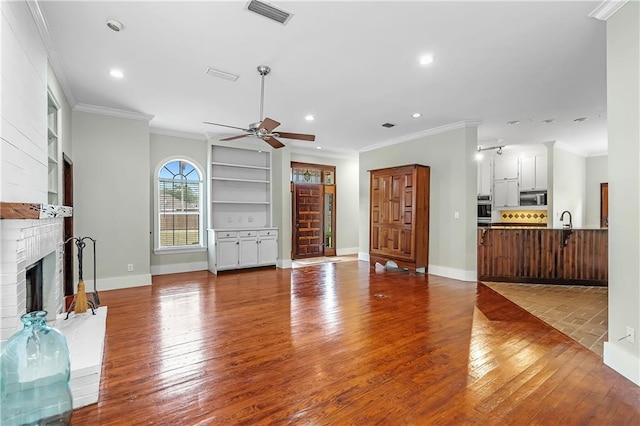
[175,268]
[456,274]
[115,283]
[346,251]
[363,256]
[284,263]
[624,362]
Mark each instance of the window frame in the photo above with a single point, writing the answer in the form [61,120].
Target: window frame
[201,246]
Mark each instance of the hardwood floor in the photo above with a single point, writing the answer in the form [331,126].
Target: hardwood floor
[338,344]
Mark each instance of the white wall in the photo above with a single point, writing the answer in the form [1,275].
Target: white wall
[567,186]
[623,116]
[347,188]
[112,196]
[451,157]
[163,148]
[23,74]
[281,203]
[597,172]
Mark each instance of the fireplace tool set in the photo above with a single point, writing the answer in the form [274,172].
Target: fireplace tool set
[80,302]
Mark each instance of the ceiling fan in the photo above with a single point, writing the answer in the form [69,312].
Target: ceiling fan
[264,128]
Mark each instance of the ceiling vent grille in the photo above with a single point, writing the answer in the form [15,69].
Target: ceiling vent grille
[221,74]
[388,125]
[269,11]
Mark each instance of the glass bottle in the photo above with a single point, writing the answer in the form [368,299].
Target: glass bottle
[34,375]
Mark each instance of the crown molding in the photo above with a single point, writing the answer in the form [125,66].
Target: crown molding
[325,153]
[52,53]
[424,133]
[177,134]
[113,112]
[606,9]
[566,147]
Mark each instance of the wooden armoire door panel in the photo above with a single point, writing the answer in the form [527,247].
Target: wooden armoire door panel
[400,216]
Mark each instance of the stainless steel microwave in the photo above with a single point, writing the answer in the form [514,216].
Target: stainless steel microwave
[533,198]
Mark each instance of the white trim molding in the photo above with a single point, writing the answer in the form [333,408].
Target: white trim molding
[177,134]
[115,283]
[456,274]
[424,133]
[622,361]
[177,268]
[52,52]
[606,9]
[113,112]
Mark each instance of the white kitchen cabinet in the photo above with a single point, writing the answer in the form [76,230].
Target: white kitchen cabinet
[242,248]
[484,176]
[506,193]
[533,173]
[505,168]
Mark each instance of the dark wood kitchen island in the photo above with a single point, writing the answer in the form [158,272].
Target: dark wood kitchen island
[544,256]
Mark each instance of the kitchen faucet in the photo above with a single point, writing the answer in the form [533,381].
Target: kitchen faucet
[570,225]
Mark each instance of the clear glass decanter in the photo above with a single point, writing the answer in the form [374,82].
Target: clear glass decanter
[34,375]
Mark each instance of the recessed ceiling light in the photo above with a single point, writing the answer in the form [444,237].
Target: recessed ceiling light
[416,115]
[426,59]
[513,123]
[309,117]
[115,25]
[116,73]
[318,147]
[548,121]
[580,120]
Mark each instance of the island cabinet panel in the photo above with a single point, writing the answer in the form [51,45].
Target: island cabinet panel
[399,216]
[551,256]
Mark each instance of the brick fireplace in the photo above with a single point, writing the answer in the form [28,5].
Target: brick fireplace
[25,241]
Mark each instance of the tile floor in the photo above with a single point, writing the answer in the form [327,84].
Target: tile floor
[578,311]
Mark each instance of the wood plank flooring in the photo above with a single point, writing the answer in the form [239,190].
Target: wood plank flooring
[339,344]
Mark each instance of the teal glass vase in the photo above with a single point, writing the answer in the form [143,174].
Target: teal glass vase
[34,375]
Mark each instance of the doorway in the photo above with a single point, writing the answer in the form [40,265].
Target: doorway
[604,205]
[67,264]
[314,207]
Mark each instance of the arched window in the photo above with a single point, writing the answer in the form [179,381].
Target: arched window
[179,205]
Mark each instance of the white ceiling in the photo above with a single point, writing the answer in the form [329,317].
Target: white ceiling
[354,65]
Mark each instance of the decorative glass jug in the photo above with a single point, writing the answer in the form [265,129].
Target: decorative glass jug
[34,375]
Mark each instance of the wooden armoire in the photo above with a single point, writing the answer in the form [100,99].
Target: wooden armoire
[399,217]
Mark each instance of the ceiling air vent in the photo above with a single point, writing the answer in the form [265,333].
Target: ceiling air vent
[388,125]
[269,11]
[221,74]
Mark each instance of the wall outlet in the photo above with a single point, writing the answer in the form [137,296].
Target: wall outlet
[631,336]
[130,267]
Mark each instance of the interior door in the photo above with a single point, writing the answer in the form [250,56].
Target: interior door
[308,220]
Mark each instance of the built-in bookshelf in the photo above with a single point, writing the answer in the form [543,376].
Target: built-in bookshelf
[53,150]
[240,188]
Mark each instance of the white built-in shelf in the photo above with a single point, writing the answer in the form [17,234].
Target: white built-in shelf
[242,166]
[240,180]
[265,203]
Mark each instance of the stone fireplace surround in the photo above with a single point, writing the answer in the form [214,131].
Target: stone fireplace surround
[28,233]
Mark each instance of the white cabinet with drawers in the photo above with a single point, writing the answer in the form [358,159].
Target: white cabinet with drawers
[242,248]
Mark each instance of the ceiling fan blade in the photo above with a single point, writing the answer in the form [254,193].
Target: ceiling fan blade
[234,137]
[224,125]
[274,142]
[300,136]
[269,124]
